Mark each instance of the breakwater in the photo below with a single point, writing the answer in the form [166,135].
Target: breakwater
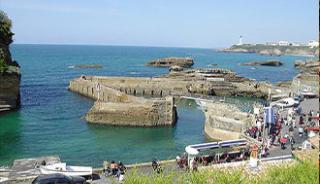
[142,101]
[225,121]
[118,108]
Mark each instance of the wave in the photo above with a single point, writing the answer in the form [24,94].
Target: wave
[134,73]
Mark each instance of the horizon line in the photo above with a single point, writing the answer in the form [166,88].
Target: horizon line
[82,44]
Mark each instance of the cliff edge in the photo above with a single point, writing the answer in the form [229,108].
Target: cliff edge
[9,69]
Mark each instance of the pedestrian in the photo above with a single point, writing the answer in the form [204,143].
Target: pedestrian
[301,121]
[300,129]
[283,141]
[194,165]
[292,142]
[294,121]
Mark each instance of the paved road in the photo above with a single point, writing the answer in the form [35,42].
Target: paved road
[306,105]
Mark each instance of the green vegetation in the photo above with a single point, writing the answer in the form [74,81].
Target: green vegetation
[5,28]
[3,65]
[300,173]
[5,40]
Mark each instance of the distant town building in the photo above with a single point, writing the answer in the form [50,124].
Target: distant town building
[272,43]
[283,43]
[295,44]
[313,43]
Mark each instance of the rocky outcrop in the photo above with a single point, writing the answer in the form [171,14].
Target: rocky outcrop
[172,61]
[9,69]
[262,63]
[273,50]
[307,66]
[175,68]
[224,121]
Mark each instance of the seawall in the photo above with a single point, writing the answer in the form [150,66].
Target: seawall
[224,121]
[118,108]
[184,86]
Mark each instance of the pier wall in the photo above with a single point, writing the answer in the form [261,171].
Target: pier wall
[152,113]
[118,108]
[225,121]
[305,81]
[160,87]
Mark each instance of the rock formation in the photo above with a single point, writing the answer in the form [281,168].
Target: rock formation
[263,63]
[9,69]
[308,66]
[172,61]
[175,68]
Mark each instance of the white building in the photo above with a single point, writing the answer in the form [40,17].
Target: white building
[283,43]
[295,44]
[272,43]
[313,43]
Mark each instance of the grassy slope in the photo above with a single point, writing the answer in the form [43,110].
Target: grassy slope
[300,173]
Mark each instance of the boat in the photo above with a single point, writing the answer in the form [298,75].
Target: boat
[62,168]
[3,179]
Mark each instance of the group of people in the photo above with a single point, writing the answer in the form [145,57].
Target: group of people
[156,166]
[116,169]
[276,134]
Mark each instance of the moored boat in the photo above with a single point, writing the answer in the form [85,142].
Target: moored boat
[62,168]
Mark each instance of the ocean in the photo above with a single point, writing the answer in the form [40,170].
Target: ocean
[50,121]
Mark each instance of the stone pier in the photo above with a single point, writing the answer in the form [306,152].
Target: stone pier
[156,112]
[225,121]
[143,101]
[118,108]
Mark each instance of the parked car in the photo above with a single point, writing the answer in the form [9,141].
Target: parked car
[298,98]
[58,179]
[286,102]
[308,94]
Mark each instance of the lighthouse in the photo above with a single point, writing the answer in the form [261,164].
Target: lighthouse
[240,40]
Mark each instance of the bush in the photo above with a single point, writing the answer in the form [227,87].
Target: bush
[302,173]
[5,28]
[3,66]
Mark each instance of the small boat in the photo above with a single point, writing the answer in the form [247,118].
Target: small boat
[3,179]
[62,168]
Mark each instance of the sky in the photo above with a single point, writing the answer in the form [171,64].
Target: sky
[165,23]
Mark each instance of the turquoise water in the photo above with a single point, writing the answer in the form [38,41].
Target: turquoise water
[49,121]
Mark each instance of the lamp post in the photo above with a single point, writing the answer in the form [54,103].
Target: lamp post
[98,87]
